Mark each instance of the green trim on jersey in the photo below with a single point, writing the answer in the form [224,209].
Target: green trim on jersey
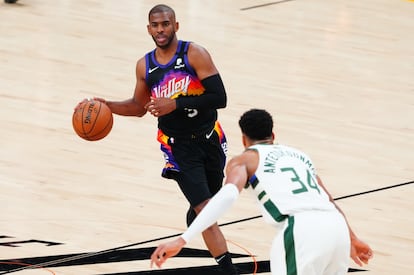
[261,195]
[273,210]
[268,204]
[289,241]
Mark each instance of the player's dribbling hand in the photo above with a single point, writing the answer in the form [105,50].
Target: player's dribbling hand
[79,104]
[86,99]
[360,252]
[165,251]
[99,99]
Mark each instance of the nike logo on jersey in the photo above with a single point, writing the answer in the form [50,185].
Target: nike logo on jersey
[209,135]
[151,70]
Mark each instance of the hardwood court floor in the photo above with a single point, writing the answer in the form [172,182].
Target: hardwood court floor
[337,76]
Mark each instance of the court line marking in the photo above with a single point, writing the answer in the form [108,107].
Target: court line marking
[85,255]
[265,5]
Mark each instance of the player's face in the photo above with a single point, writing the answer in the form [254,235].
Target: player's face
[162,28]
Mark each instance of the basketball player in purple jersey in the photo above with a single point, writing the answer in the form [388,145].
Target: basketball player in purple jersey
[179,84]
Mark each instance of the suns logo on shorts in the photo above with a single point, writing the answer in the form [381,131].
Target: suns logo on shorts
[225,148]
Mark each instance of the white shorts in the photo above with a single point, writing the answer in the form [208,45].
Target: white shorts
[321,245]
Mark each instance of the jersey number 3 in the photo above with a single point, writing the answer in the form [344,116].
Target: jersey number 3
[191,112]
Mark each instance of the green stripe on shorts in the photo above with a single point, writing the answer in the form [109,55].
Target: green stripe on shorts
[290,248]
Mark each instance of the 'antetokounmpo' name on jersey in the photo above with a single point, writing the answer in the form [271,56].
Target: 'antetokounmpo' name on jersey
[273,156]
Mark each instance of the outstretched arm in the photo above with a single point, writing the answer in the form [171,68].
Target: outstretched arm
[236,178]
[218,205]
[360,251]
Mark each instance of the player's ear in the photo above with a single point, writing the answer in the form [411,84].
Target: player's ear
[177,26]
[273,136]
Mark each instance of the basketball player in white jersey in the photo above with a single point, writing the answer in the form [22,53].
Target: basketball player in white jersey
[314,237]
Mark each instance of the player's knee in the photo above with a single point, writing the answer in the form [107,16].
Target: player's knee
[200,206]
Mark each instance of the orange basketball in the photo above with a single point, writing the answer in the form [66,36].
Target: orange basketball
[93,120]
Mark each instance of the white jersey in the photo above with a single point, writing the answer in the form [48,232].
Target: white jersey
[285,183]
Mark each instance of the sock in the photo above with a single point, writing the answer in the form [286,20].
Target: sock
[226,264]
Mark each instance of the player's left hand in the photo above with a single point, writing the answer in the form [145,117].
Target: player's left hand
[360,252]
[165,251]
[160,106]
[80,104]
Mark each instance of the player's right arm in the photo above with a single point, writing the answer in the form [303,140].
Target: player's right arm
[240,168]
[134,106]
[142,93]
[360,251]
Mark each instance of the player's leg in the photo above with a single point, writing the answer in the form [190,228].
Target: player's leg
[213,237]
[293,251]
[321,243]
[192,180]
[340,249]
[278,254]
[217,245]
[215,160]
[296,249]
[191,215]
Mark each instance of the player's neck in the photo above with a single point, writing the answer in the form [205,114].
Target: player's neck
[263,141]
[164,55]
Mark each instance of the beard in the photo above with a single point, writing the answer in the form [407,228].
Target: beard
[167,43]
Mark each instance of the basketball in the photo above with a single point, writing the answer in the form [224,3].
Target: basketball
[93,120]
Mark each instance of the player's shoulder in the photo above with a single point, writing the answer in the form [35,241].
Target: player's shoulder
[141,60]
[246,156]
[141,66]
[194,46]
[195,49]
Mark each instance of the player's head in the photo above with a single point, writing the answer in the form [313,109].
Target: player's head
[162,25]
[257,126]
